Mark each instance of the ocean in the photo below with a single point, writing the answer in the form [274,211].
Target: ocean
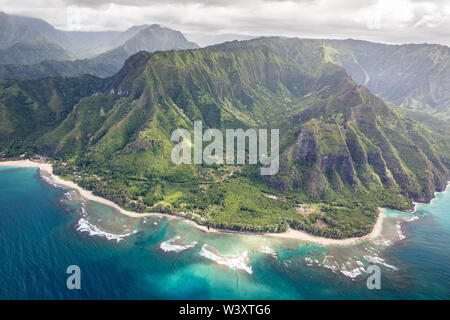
[45,229]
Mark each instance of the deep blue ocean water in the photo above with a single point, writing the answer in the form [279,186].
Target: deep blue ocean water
[39,240]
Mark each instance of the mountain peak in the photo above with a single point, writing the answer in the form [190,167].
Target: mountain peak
[338,143]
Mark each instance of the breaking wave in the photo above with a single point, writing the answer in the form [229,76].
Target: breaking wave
[49,181]
[168,245]
[85,226]
[268,251]
[233,262]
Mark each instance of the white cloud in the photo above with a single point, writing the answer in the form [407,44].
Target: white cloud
[376,20]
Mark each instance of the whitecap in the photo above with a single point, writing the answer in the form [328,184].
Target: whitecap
[92,230]
[269,251]
[380,261]
[333,268]
[382,242]
[353,273]
[68,195]
[49,181]
[232,262]
[168,245]
[401,236]
[413,218]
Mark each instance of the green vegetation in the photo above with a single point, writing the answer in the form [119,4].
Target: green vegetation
[41,58]
[413,76]
[34,51]
[344,152]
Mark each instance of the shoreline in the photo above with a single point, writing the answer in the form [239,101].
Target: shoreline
[88,195]
[304,236]
[436,193]
[290,234]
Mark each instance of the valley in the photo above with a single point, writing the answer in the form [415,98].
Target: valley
[340,145]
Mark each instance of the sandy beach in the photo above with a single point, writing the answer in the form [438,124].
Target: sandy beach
[290,234]
[48,169]
[301,235]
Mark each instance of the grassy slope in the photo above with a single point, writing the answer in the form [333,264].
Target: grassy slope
[344,152]
[34,51]
[413,76]
[151,39]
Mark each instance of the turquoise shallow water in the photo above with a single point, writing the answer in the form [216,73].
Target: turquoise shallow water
[44,229]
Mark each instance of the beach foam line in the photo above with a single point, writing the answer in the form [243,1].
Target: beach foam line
[290,234]
[68,195]
[301,235]
[398,227]
[49,181]
[447,189]
[435,196]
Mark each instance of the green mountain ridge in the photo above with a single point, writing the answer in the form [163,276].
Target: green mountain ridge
[149,38]
[30,47]
[344,152]
[34,51]
[413,76]
[152,38]
[19,29]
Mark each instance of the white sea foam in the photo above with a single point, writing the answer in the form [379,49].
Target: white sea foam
[168,245]
[380,261]
[232,262]
[68,195]
[353,273]
[327,264]
[83,212]
[351,267]
[85,226]
[269,251]
[335,267]
[309,261]
[447,189]
[398,227]
[49,181]
[382,242]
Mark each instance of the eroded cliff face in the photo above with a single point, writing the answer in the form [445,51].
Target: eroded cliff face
[358,144]
[413,76]
[338,139]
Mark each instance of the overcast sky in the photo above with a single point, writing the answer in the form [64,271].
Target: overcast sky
[392,21]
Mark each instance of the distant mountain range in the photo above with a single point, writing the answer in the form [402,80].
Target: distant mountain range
[34,51]
[204,40]
[23,30]
[103,105]
[413,76]
[31,48]
[344,152]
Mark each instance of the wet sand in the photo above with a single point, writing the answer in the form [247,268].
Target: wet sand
[290,234]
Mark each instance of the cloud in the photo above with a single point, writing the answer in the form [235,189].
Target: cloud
[376,20]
